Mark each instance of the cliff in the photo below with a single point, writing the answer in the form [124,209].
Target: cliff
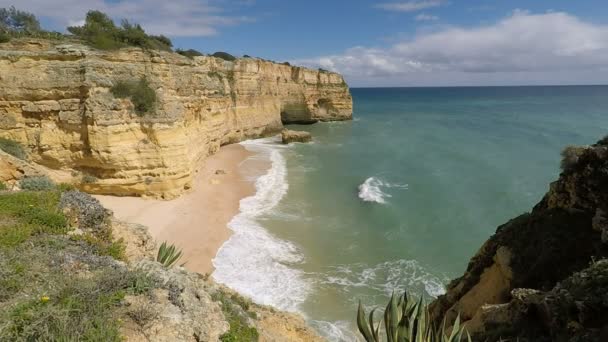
[543,275]
[56,100]
[70,271]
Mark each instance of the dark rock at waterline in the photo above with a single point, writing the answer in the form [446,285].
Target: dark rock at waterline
[532,280]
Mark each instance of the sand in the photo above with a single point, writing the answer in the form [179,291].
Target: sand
[197,221]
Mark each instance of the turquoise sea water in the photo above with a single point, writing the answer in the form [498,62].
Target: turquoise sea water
[401,197]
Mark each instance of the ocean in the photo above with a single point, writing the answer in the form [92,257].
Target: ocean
[401,197]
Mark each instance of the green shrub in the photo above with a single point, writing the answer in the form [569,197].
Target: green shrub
[224,55]
[190,53]
[407,320]
[99,31]
[286,63]
[88,179]
[3,186]
[17,24]
[63,187]
[13,148]
[37,183]
[236,310]
[12,19]
[85,209]
[168,255]
[140,93]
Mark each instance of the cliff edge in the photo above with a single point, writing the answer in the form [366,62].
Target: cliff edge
[55,99]
[543,276]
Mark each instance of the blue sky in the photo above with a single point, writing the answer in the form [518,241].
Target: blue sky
[382,43]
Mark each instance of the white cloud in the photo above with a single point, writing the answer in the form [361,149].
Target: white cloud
[426,17]
[172,18]
[540,45]
[410,6]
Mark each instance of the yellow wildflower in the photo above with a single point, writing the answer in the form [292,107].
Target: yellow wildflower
[44,299]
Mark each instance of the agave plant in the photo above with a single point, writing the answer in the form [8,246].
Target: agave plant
[406,320]
[168,255]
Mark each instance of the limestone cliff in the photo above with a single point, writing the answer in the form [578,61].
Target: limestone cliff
[56,100]
[541,277]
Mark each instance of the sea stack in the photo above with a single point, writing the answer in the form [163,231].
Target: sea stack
[289,136]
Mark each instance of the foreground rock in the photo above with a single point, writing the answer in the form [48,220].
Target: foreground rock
[289,136]
[56,101]
[186,306]
[532,280]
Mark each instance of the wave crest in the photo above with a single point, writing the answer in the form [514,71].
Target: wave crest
[371,190]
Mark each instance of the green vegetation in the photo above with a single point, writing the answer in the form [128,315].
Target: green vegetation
[407,320]
[13,148]
[190,53]
[88,179]
[3,186]
[224,55]
[15,24]
[168,255]
[236,310]
[139,92]
[100,32]
[37,183]
[26,214]
[54,287]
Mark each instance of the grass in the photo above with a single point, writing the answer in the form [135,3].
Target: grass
[25,214]
[54,287]
[236,310]
[142,96]
[13,148]
[3,186]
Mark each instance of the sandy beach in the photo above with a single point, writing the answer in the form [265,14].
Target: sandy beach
[197,221]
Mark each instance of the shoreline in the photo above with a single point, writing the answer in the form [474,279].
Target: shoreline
[196,222]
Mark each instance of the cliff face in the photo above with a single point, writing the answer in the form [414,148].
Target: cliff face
[56,100]
[543,275]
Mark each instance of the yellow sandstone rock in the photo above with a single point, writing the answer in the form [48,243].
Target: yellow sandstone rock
[56,101]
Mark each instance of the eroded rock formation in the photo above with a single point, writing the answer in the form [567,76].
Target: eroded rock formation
[56,100]
[541,277]
[289,136]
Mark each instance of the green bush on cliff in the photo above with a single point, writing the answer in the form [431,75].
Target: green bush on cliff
[37,183]
[190,53]
[16,24]
[236,310]
[3,186]
[224,55]
[99,31]
[406,319]
[139,92]
[13,148]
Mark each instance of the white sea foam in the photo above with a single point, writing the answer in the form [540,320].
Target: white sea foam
[387,277]
[339,331]
[253,261]
[371,190]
